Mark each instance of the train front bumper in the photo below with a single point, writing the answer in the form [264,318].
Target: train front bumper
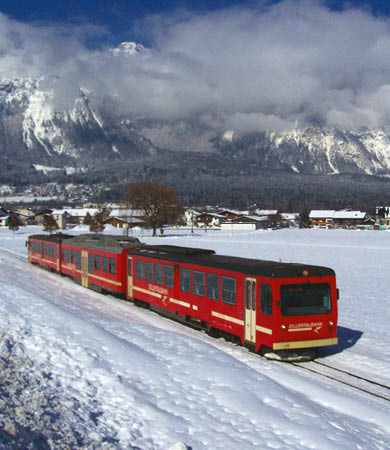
[305,344]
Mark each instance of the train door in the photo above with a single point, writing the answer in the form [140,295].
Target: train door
[84,268]
[264,320]
[57,254]
[29,244]
[130,277]
[250,310]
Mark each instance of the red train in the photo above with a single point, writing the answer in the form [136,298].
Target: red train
[281,310]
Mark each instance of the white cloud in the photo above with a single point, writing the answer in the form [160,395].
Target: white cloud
[295,61]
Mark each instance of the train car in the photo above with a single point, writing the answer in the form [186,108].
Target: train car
[282,310]
[97,261]
[45,250]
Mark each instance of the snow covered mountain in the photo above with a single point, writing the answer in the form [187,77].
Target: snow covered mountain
[39,127]
[315,150]
[33,130]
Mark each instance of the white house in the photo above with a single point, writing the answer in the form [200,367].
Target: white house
[4,221]
[191,217]
[246,223]
[210,219]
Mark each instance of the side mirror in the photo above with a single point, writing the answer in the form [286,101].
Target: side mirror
[338,293]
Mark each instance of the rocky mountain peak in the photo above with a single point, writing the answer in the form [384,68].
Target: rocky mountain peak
[129,49]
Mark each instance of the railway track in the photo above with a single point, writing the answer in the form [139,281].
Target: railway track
[347,378]
[341,376]
[14,254]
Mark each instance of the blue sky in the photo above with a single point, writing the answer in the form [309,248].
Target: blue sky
[120,17]
[241,66]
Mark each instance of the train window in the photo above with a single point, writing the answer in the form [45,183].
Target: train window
[78,260]
[212,289]
[149,271]
[302,299]
[97,262]
[247,294]
[64,254]
[104,264]
[90,263]
[168,276]
[74,256]
[266,299]
[158,273]
[68,255]
[185,280]
[129,267]
[198,283]
[112,266]
[139,270]
[229,290]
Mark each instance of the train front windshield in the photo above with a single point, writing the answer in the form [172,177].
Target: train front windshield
[305,299]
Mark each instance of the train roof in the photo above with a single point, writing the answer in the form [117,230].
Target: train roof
[105,242]
[58,237]
[208,258]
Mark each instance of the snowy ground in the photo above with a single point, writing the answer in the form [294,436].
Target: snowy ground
[82,370]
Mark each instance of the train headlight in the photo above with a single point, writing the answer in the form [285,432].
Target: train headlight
[331,324]
[283,327]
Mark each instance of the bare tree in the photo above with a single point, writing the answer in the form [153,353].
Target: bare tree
[14,222]
[158,203]
[87,219]
[97,223]
[49,223]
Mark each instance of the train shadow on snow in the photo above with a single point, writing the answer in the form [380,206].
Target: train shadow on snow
[347,339]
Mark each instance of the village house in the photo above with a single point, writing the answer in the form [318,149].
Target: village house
[338,219]
[61,217]
[210,219]
[191,217]
[40,215]
[273,215]
[230,214]
[382,215]
[246,223]
[118,222]
[4,220]
[289,220]
[25,215]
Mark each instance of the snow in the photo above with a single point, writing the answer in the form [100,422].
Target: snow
[45,169]
[80,369]
[228,135]
[28,198]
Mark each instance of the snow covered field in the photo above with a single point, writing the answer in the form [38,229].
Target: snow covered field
[82,370]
